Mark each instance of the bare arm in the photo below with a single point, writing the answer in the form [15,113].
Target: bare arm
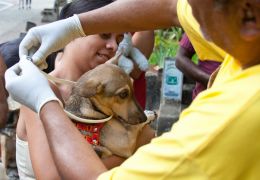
[40,155]
[131,16]
[73,156]
[3,94]
[191,70]
[144,41]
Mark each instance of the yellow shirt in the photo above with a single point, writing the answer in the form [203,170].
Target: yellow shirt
[228,68]
[204,49]
[215,138]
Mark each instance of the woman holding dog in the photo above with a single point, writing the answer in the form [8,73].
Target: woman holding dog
[215,137]
[78,57]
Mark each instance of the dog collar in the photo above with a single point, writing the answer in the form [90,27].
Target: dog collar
[91,132]
[84,120]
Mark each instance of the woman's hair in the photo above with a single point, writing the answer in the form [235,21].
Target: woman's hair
[81,6]
[75,7]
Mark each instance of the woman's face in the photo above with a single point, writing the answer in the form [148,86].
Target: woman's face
[94,50]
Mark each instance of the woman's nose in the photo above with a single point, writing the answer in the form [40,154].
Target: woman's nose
[112,44]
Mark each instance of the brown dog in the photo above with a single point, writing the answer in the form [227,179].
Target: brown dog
[104,91]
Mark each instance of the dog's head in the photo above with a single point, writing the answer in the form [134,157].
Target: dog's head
[110,91]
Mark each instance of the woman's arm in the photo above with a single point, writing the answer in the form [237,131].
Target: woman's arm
[191,70]
[40,154]
[144,41]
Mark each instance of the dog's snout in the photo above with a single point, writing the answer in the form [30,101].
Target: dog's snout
[136,117]
[143,117]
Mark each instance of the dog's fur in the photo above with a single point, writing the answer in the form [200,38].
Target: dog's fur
[103,91]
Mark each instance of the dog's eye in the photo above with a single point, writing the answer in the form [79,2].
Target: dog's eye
[123,94]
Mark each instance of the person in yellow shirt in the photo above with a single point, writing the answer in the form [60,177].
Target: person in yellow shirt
[215,137]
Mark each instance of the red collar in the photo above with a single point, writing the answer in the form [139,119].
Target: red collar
[91,132]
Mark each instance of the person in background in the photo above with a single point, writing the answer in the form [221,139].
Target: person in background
[10,51]
[199,73]
[21,4]
[28,4]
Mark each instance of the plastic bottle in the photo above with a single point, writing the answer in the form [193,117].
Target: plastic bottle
[172,80]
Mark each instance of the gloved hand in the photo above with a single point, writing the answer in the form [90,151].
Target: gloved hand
[50,38]
[28,86]
[130,54]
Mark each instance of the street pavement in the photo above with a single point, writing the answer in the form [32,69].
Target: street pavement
[13,20]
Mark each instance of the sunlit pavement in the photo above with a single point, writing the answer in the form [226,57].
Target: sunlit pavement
[13,20]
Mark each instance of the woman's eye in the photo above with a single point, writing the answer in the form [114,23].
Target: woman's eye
[123,94]
[105,35]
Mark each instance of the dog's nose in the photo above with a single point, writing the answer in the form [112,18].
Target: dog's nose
[137,118]
[142,117]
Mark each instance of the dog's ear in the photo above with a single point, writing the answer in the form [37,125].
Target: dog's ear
[115,59]
[88,88]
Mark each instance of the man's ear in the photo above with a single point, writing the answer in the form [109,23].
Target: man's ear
[88,88]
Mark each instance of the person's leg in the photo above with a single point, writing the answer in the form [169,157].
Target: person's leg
[21,4]
[26,3]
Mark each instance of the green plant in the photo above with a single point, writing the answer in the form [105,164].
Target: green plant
[166,45]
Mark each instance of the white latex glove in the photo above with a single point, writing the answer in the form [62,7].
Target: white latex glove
[50,38]
[126,64]
[139,59]
[125,45]
[28,86]
[129,55]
